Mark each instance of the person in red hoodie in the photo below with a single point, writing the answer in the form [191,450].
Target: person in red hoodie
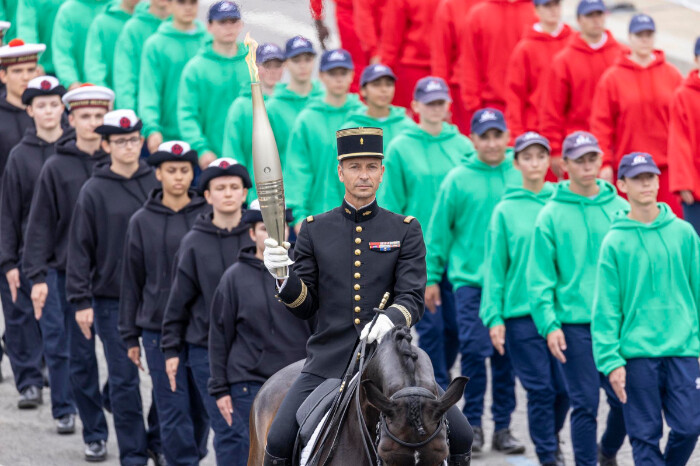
[684,144]
[571,80]
[449,25]
[492,30]
[369,13]
[404,45]
[631,104]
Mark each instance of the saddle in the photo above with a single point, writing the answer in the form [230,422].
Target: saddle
[314,408]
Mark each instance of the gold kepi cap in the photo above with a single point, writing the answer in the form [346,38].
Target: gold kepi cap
[360,142]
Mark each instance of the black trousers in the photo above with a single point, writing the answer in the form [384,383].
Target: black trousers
[283,432]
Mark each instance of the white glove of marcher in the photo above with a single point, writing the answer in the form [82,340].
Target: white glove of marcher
[381,327]
[276,257]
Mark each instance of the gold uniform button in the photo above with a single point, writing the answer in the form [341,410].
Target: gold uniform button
[358,240]
[358,263]
[357,297]
[357,321]
[357,275]
[357,286]
[358,229]
[357,252]
[357,309]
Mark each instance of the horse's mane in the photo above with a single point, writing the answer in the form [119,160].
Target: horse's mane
[401,337]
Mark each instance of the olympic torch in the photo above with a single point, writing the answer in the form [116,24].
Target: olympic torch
[267,168]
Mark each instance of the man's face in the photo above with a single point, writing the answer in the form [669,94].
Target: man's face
[184,11]
[225,31]
[46,110]
[533,163]
[379,92]
[337,81]
[550,12]
[491,146]
[435,112]
[85,120]
[271,72]
[175,177]
[642,43]
[17,77]
[301,67]
[592,24]
[361,176]
[584,170]
[226,194]
[642,189]
[124,149]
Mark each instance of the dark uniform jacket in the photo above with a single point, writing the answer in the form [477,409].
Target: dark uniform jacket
[14,121]
[252,335]
[152,239]
[345,260]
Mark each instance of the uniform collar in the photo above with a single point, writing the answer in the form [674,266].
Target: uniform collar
[359,215]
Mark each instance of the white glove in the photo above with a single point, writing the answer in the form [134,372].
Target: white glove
[381,327]
[276,257]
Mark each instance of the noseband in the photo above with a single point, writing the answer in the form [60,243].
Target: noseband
[405,393]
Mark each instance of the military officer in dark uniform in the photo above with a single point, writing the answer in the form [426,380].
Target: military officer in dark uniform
[345,260]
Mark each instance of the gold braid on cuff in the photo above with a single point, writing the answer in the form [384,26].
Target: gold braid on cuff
[302,296]
[404,311]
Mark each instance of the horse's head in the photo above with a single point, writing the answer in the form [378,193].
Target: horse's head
[412,427]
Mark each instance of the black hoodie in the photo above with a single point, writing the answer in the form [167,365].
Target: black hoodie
[14,121]
[204,255]
[152,239]
[56,192]
[18,181]
[97,232]
[252,335]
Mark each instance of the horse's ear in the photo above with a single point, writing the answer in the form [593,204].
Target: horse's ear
[452,395]
[376,398]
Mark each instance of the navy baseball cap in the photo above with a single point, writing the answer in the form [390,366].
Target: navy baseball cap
[530,139]
[635,164]
[374,72]
[431,89]
[541,2]
[267,52]
[697,47]
[580,143]
[298,45]
[225,9]
[589,6]
[641,22]
[337,58]
[486,119]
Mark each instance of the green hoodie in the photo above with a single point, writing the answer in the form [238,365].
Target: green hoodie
[416,163]
[647,299]
[508,240]
[127,56]
[561,267]
[393,125]
[69,35]
[311,177]
[35,20]
[457,229]
[283,109]
[164,56]
[8,12]
[208,86]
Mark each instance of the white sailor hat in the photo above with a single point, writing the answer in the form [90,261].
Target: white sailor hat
[119,122]
[253,215]
[224,166]
[173,151]
[4,26]
[88,95]
[16,52]
[42,86]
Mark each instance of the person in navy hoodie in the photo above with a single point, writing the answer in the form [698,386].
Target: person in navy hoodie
[152,239]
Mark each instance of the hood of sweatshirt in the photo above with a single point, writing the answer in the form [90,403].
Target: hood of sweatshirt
[66,145]
[361,118]
[283,93]
[208,52]
[448,132]
[115,10]
[30,138]
[104,171]
[154,203]
[563,193]
[693,80]
[247,256]
[141,12]
[517,192]
[581,45]
[626,62]
[204,224]
[5,105]
[167,29]
[534,34]
[352,103]
[476,164]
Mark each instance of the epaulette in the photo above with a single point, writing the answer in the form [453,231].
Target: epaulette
[408,219]
[309,219]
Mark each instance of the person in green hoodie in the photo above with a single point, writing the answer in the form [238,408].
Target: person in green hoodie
[289,100]
[238,130]
[505,304]
[127,51]
[377,88]
[164,56]
[646,334]
[455,239]
[35,20]
[211,81]
[561,278]
[69,36]
[417,161]
[312,163]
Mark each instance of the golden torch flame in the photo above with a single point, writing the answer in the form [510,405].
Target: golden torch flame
[250,58]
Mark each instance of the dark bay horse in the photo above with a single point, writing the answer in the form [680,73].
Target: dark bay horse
[399,401]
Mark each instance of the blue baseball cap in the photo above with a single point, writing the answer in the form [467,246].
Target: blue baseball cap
[589,6]
[337,58]
[578,144]
[374,72]
[635,164]
[224,9]
[486,119]
[541,2]
[641,22]
[431,89]
[530,139]
[697,47]
[298,45]
[267,52]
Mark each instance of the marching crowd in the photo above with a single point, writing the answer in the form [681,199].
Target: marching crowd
[549,167]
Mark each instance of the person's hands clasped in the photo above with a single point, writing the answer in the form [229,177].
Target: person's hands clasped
[276,257]
[381,327]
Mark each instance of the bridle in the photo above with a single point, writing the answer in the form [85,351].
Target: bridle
[405,393]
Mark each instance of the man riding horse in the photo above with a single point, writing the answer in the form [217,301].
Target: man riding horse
[345,261]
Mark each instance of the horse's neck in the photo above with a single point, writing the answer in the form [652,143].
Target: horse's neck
[350,450]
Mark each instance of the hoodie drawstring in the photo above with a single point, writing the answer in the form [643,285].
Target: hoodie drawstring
[651,261]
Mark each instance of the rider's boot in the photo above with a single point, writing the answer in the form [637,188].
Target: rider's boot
[460,460]
[270,460]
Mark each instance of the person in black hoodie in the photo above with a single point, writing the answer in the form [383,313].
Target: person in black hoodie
[43,100]
[44,262]
[93,269]
[152,240]
[251,334]
[204,255]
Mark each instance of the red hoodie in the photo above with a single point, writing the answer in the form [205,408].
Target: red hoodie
[369,14]
[684,137]
[570,84]
[407,28]
[529,61]
[492,31]
[630,109]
